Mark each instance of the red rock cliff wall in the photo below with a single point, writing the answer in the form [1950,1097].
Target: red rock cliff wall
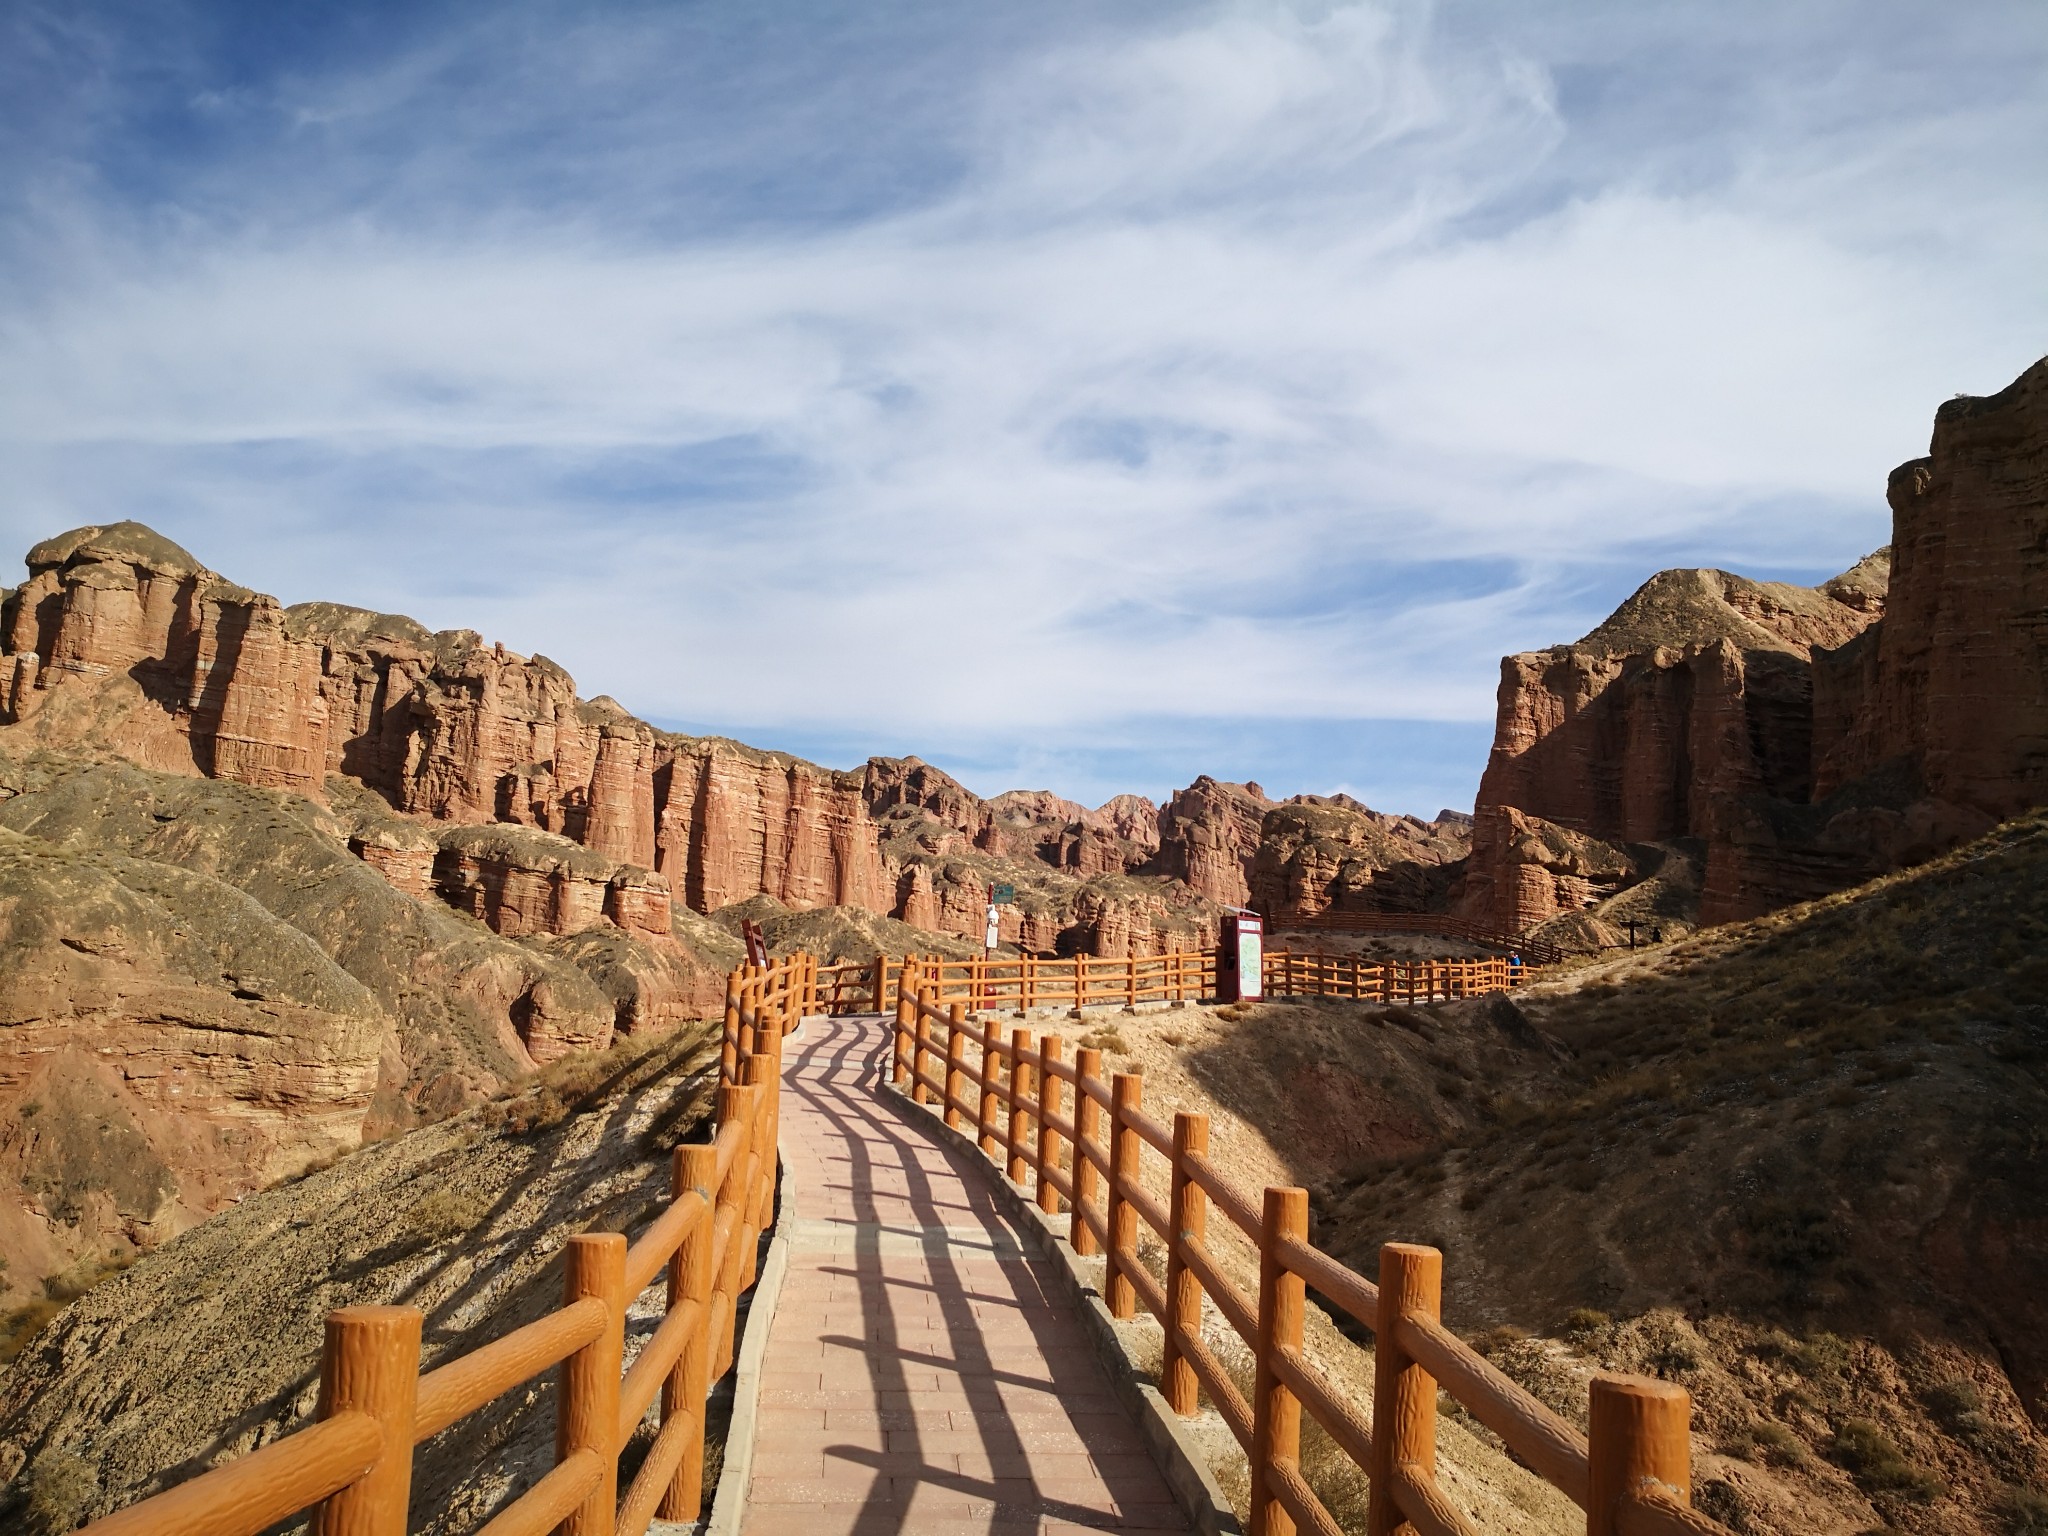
[1695,694]
[1956,681]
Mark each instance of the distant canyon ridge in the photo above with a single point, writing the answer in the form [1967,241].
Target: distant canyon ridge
[274,880]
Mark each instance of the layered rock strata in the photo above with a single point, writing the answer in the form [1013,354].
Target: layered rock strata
[1697,690]
[1799,739]
[1317,855]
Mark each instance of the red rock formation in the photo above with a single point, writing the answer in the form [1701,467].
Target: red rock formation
[1932,726]
[736,823]
[1317,855]
[1956,678]
[1209,836]
[1808,739]
[1696,690]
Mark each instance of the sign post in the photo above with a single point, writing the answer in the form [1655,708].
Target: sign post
[998,896]
[1240,957]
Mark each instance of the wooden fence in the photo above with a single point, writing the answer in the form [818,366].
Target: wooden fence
[1016,983]
[354,1464]
[1312,973]
[852,987]
[1630,1473]
[1535,951]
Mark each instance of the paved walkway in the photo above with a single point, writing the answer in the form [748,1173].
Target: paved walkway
[922,1373]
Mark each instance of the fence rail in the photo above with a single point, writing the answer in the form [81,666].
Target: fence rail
[1084,981]
[354,1464]
[1536,951]
[1313,973]
[1630,1472]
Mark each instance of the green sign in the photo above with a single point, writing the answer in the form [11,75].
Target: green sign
[1004,895]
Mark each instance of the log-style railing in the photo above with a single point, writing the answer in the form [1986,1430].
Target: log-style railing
[850,987]
[1630,1472]
[1535,951]
[1078,981]
[354,1464]
[1084,981]
[1313,973]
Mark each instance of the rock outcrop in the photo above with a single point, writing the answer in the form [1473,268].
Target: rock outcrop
[1209,836]
[1318,855]
[1794,740]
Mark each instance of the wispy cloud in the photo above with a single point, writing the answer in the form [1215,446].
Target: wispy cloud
[1060,387]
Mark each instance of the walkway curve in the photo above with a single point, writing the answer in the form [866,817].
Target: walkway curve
[922,1373]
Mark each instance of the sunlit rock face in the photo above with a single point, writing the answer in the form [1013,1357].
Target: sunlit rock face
[1798,739]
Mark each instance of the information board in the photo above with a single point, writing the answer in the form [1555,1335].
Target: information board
[1251,967]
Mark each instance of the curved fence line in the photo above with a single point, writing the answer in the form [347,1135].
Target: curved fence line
[1631,1472]
[353,1466]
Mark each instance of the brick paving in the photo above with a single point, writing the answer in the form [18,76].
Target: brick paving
[922,1374]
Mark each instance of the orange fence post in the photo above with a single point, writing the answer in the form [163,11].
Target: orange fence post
[1087,1121]
[1049,1084]
[1020,1104]
[1131,983]
[693,1171]
[991,1067]
[1404,1395]
[1276,1411]
[1080,982]
[1190,1223]
[1126,1093]
[587,1409]
[956,1062]
[921,1030]
[1639,1440]
[905,1007]
[734,1104]
[729,1043]
[767,1074]
[371,1365]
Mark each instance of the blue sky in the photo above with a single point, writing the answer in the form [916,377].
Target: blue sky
[1081,396]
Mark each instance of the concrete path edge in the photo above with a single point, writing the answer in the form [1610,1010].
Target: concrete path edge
[1179,1459]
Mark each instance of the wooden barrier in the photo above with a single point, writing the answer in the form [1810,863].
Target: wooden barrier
[850,987]
[1023,983]
[1631,1475]
[353,1466]
[1314,973]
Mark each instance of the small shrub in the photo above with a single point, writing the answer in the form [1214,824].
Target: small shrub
[1879,1466]
[1585,1327]
[2026,1513]
[1792,1237]
[59,1489]
[1173,1038]
[445,1213]
[1766,1441]
[1959,1409]
[23,1323]
[1723,1501]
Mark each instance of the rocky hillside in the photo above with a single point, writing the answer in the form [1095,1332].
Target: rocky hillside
[210,1346]
[1781,741]
[1793,1163]
[202,991]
